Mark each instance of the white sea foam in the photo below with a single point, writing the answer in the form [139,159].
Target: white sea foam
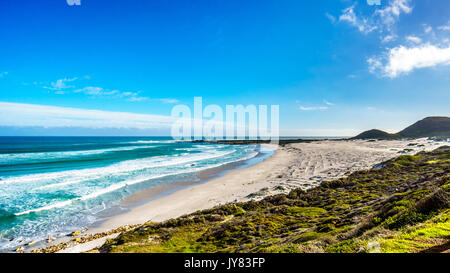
[123,184]
[122,167]
[49,207]
[7,158]
[67,183]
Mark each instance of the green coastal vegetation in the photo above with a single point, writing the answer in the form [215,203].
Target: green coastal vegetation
[435,127]
[401,205]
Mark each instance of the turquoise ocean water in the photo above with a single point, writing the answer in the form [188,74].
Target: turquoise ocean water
[50,186]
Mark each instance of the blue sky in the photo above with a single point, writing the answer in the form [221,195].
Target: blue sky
[334,67]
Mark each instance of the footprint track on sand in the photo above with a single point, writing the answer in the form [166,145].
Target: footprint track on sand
[314,162]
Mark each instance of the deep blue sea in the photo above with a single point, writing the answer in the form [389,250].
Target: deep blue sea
[50,186]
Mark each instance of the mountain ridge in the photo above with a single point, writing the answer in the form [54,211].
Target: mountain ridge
[437,126]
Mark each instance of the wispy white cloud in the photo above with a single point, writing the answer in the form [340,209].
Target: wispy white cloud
[22,115]
[389,38]
[427,28]
[390,14]
[445,27]
[313,108]
[62,87]
[2,74]
[363,24]
[382,19]
[170,101]
[316,107]
[402,60]
[101,92]
[96,91]
[414,39]
[136,98]
[330,17]
[61,84]
[374,64]
[128,96]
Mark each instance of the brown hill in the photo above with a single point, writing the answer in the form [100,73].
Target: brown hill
[428,127]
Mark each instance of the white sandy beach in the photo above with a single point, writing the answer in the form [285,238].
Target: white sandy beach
[296,165]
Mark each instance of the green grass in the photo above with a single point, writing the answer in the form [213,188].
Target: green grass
[419,237]
[310,212]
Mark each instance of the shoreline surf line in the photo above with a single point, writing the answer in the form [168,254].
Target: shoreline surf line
[149,195]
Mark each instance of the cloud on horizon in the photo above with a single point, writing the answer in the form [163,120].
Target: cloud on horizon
[33,119]
[26,115]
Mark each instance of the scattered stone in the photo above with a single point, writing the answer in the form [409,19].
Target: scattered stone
[81,240]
